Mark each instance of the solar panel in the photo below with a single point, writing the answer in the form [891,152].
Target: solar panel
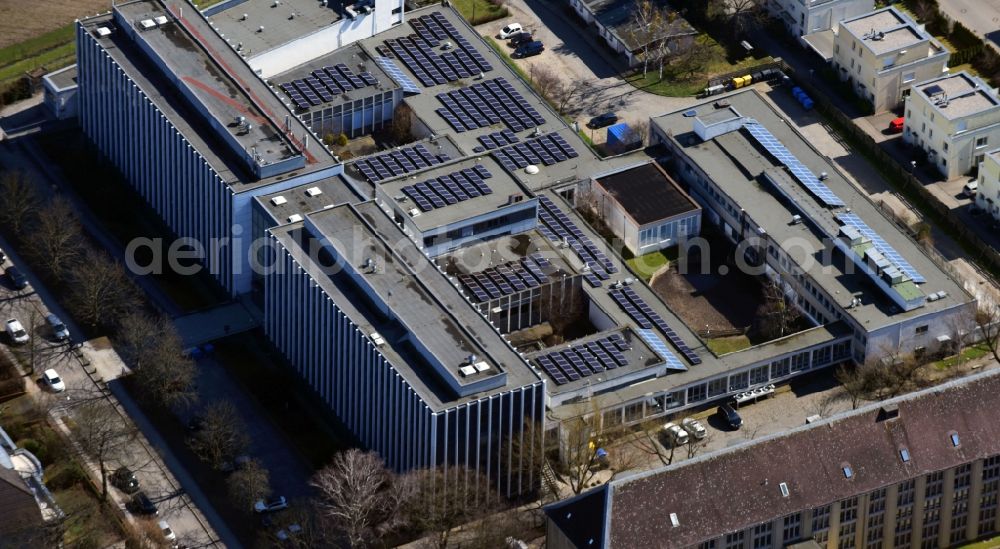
[799,170]
[654,319]
[657,344]
[852,220]
[394,72]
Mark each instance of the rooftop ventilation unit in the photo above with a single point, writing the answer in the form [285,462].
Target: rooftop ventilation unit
[823,176]
[276,3]
[260,28]
[467,371]
[278,200]
[481,366]
[160,20]
[147,24]
[314,191]
[294,218]
[244,17]
[103,31]
[377,339]
[414,212]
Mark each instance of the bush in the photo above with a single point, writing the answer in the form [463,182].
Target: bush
[961,37]
[342,139]
[67,477]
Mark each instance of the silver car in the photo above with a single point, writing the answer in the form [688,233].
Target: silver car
[694,428]
[59,330]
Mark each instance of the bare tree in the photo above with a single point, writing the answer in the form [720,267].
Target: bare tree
[652,441]
[18,201]
[961,330]
[647,25]
[583,454]
[103,434]
[301,530]
[743,16]
[888,376]
[694,57]
[545,80]
[153,349]
[222,436]
[439,500]
[250,483]
[145,534]
[102,292]
[988,323]
[56,243]
[34,352]
[357,495]
[695,446]
[776,315]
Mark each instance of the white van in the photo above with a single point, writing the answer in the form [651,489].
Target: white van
[971,188]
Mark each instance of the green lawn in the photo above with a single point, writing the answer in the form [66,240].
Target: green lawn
[726,345]
[682,81]
[479,11]
[970,353]
[991,543]
[646,265]
[53,50]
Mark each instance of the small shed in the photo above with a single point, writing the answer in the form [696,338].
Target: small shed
[622,138]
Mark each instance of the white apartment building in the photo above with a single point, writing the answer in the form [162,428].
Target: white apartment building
[803,17]
[882,53]
[954,118]
[988,197]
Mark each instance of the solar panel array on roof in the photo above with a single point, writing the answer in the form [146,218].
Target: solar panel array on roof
[802,173]
[503,280]
[449,189]
[548,149]
[325,84]
[394,72]
[431,67]
[396,163]
[487,103]
[646,318]
[558,227]
[852,220]
[657,345]
[585,360]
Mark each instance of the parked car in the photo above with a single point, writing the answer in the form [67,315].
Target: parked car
[971,188]
[286,534]
[520,38]
[59,330]
[271,505]
[694,428]
[16,331]
[509,30]
[168,533]
[3,256]
[730,416]
[140,504]
[51,378]
[602,120]
[896,125]
[124,479]
[17,278]
[528,50]
[675,434]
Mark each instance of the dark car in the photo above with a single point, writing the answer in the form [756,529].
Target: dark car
[602,120]
[124,479]
[17,278]
[3,256]
[520,38]
[140,504]
[729,415]
[527,50]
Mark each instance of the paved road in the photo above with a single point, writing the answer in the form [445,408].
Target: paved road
[981,16]
[174,502]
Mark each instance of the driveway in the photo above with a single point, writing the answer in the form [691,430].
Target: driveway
[573,54]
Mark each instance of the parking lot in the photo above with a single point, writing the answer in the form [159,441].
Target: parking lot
[572,54]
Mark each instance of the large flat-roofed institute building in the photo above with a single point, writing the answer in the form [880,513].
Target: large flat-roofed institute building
[918,471]
[808,228]
[882,53]
[645,208]
[954,119]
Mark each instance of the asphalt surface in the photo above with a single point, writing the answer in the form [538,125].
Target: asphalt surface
[173,500]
